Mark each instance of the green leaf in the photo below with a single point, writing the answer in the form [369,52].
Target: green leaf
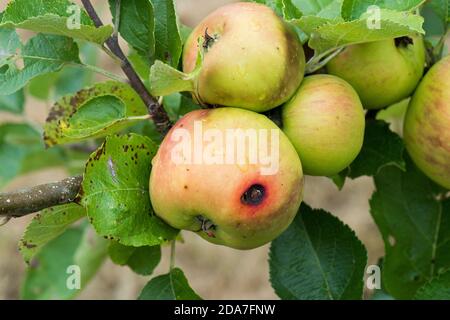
[379,294]
[324,8]
[22,151]
[55,157]
[54,17]
[46,226]
[42,54]
[49,275]
[185,32]
[415,227]
[9,42]
[329,34]
[177,105]
[140,65]
[437,289]
[115,192]
[53,86]
[94,112]
[394,112]
[165,80]
[339,179]
[276,5]
[437,17]
[147,129]
[353,9]
[137,25]
[17,142]
[171,286]
[41,86]
[381,148]
[317,257]
[168,45]
[142,260]
[290,11]
[13,103]
[90,255]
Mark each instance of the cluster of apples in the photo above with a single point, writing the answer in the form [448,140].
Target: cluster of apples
[253,61]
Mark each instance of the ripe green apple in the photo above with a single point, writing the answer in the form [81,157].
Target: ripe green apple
[239,204]
[252,58]
[382,72]
[325,123]
[427,124]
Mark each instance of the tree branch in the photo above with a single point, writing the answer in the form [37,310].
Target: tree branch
[156,111]
[22,202]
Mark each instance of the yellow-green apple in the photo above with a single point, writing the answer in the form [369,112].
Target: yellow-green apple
[228,174]
[382,72]
[427,124]
[325,123]
[252,58]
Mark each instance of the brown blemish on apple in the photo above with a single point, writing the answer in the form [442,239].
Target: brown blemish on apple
[254,195]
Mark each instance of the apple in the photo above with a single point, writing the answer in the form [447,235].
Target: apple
[252,58]
[325,123]
[427,124]
[199,184]
[382,72]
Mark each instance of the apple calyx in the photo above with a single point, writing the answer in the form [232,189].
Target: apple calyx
[208,40]
[207,226]
[403,41]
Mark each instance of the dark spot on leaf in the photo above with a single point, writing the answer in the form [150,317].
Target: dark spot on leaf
[55,113]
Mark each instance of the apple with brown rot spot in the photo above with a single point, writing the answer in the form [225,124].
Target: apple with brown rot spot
[204,180]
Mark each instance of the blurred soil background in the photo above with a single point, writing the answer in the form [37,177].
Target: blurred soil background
[215,272]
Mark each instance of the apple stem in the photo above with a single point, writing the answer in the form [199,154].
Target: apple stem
[156,111]
[319,61]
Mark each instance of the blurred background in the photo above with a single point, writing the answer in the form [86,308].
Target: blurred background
[214,272]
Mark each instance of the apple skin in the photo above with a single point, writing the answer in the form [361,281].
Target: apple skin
[427,124]
[256,61]
[181,193]
[381,72]
[325,122]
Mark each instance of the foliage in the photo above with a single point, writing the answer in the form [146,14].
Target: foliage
[317,257]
